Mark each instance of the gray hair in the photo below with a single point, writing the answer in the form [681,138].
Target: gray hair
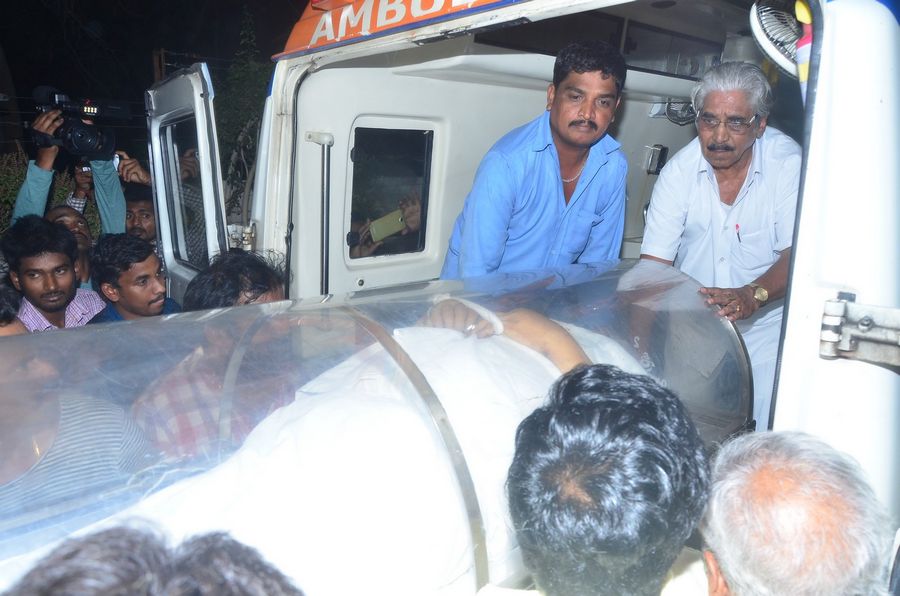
[788,514]
[735,76]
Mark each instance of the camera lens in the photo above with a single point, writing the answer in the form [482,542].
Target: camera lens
[85,138]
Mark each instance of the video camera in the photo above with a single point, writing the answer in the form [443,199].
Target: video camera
[76,136]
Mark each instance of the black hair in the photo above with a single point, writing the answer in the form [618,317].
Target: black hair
[135,192]
[608,481]
[126,561]
[217,565]
[114,254]
[117,561]
[588,56]
[232,276]
[32,235]
[10,300]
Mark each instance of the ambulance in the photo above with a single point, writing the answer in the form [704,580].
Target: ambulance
[359,451]
[373,99]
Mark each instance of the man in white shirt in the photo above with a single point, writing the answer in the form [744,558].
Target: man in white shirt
[723,212]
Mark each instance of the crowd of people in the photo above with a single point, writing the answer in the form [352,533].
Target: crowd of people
[610,478]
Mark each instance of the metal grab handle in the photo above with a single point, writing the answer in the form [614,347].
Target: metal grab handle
[442,424]
[326,140]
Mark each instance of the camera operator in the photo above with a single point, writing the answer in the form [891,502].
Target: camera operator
[32,197]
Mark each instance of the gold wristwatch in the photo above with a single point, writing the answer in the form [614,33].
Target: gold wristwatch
[760,294]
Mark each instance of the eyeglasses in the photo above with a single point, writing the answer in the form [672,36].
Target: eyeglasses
[735,125]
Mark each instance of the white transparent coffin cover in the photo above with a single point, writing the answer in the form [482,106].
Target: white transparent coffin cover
[357,450]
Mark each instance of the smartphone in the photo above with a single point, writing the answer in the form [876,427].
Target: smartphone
[386,226]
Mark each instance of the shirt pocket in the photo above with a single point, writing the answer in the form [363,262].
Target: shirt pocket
[755,251]
[578,231]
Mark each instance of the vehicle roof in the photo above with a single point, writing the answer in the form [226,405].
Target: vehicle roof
[333,23]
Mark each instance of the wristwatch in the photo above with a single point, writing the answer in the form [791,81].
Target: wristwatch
[760,294]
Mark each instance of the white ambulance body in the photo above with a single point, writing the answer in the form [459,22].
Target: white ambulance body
[439,82]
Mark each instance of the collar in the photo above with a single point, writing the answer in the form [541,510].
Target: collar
[110,313]
[543,139]
[756,162]
[32,318]
[78,312]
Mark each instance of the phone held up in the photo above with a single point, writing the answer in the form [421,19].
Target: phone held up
[387,225]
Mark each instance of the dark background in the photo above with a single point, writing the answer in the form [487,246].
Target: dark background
[104,49]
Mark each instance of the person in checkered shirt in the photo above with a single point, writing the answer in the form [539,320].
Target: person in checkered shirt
[193,412]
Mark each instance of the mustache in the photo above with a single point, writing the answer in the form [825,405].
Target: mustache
[719,147]
[590,123]
[159,298]
[52,295]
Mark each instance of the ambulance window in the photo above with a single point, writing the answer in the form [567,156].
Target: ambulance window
[185,194]
[389,196]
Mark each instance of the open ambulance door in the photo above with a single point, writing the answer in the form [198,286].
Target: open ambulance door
[840,356]
[187,176]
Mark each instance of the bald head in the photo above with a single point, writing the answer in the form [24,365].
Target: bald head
[790,515]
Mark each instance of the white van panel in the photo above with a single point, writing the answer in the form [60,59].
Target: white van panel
[847,241]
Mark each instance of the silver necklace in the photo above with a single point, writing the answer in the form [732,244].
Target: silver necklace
[575,177]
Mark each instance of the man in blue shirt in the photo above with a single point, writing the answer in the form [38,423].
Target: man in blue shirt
[551,192]
[129,276]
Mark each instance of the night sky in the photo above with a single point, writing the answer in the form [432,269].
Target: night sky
[103,49]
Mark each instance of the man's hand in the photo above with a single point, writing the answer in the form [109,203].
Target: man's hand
[544,336]
[189,165]
[365,247]
[130,170]
[47,123]
[452,314]
[734,303]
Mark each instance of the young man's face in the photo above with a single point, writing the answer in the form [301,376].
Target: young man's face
[141,291]
[48,281]
[74,222]
[581,108]
[140,220]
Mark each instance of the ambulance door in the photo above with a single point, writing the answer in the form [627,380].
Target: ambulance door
[187,176]
[840,356]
